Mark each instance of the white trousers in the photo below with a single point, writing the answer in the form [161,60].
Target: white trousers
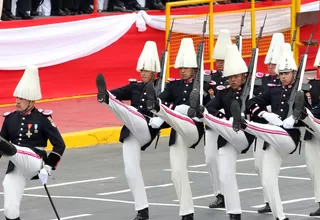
[313,123]
[1,5]
[13,6]
[186,136]
[274,135]
[227,164]
[139,136]
[131,118]
[45,8]
[258,154]
[211,155]
[312,155]
[131,156]
[227,159]
[27,165]
[103,4]
[271,165]
[281,145]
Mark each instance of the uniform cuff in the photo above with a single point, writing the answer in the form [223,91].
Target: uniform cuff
[53,160]
[255,110]
[220,115]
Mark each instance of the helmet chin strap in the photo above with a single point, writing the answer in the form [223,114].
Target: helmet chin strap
[29,107]
[294,76]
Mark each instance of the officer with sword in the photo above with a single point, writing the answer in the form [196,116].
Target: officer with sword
[28,129]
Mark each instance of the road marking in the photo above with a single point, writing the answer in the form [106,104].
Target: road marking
[128,190]
[250,159]
[74,216]
[71,183]
[287,202]
[247,174]
[240,160]
[212,195]
[151,204]
[293,167]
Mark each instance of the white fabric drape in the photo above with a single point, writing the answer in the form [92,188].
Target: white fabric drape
[48,45]
[53,44]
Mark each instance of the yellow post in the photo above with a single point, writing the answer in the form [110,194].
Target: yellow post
[297,51]
[253,23]
[168,9]
[211,34]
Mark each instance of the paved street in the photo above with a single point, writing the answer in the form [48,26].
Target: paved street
[90,184]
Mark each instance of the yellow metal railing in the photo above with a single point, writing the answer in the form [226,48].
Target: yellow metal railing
[208,39]
[248,42]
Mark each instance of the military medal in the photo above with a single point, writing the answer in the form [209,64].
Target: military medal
[29,132]
[36,128]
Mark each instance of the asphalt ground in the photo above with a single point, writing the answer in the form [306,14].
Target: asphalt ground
[90,184]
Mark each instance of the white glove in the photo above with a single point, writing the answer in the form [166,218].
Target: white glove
[271,118]
[45,172]
[156,122]
[289,122]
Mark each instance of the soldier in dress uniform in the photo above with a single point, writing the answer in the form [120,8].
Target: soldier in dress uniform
[311,117]
[315,83]
[28,129]
[271,78]
[283,140]
[186,132]
[135,135]
[211,136]
[271,61]
[230,144]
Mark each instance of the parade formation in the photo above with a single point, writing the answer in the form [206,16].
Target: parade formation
[233,109]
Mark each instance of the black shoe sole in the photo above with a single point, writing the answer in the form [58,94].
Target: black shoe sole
[151,95]
[102,95]
[298,105]
[236,114]
[194,99]
[264,210]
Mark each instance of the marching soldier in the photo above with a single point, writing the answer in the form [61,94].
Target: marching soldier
[136,135]
[230,144]
[210,148]
[281,141]
[186,132]
[312,142]
[315,83]
[28,129]
[272,78]
[311,117]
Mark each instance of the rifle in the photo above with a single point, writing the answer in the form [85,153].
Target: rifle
[239,37]
[251,76]
[199,78]
[300,74]
[164,58]
[293,39]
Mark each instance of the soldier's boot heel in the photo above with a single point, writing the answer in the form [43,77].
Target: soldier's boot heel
[103,95]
